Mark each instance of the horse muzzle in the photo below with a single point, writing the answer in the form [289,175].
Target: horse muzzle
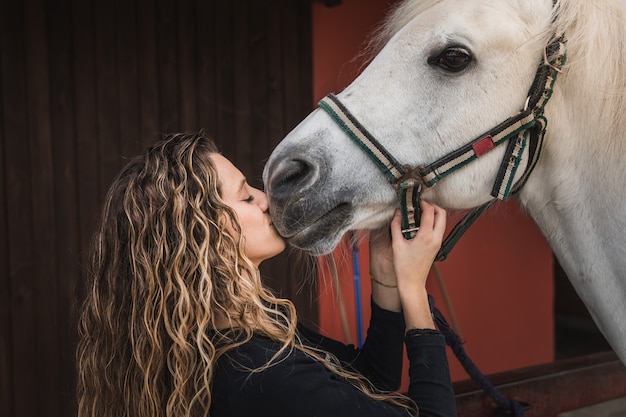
[308,220]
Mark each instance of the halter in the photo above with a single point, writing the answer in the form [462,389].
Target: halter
[526,128]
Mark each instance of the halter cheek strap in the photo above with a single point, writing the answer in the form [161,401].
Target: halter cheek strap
[406,181]
[524,129]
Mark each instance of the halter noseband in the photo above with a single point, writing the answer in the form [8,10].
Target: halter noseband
[526,128]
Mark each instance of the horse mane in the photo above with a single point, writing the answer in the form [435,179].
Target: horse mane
[596,47]
[596,55]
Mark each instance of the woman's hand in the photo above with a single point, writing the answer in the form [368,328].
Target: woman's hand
[412,259]
[400,267]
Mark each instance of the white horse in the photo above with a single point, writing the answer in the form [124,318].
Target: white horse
[447,71]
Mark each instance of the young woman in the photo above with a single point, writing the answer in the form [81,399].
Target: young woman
[177,321]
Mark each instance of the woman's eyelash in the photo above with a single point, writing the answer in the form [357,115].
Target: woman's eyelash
[249,199]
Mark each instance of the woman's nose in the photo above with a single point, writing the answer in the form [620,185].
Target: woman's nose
[262,200]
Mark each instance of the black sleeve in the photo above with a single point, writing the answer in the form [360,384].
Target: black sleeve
[297,385]
[430,386]
[380,358]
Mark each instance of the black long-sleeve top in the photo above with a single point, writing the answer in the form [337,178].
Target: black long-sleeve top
[299,386]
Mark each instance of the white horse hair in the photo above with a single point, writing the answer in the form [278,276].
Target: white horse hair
[446,72]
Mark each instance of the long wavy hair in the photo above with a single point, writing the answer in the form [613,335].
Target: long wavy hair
[164,269]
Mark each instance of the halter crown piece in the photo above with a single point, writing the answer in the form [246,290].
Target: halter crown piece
[524,129]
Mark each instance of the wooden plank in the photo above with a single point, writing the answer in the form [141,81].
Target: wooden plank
[86,122]
[6,347]
[63,137]
[283,4]
[107,95]
[276,98]
[148,82]
[47,359]
[167,57]
[206,35]
[128,76]
[242,107]
[223,20]
[187,39]
[6,367]
[19,211]
[328,3]
[298,66]
[550,389]
[258,90]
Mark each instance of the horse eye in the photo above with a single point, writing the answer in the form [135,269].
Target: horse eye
[452,59]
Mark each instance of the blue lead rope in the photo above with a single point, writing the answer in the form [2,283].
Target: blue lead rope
[506,406]
[357,289]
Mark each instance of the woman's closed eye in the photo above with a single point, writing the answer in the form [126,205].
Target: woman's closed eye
[249,199]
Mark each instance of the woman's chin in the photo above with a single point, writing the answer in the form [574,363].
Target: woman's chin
[275,249]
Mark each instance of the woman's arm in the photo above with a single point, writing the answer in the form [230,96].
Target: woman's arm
[412,261]
[406,264]
[400,267]
[430,386]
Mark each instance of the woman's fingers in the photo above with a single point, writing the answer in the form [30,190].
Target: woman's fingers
[432,223]
[396,225]
[439,226]
[433,217]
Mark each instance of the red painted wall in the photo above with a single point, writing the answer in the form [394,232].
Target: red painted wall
[499,278]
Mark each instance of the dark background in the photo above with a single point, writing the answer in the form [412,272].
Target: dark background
[85,84]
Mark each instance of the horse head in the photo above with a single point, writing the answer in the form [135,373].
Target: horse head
[448,72]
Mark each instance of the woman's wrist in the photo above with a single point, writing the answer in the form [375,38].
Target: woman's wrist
[416,310]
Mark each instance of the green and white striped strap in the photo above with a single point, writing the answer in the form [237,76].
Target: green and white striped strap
[478,147]
[392,169]
[406,181]
[512,129]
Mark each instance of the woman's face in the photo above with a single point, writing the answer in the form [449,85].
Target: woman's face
[251,205]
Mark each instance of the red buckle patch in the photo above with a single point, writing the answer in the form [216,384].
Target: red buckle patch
[483,146]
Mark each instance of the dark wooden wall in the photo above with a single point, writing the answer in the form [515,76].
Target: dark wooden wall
[84,84]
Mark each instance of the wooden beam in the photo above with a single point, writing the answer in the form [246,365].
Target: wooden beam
[328,3]
[550,389]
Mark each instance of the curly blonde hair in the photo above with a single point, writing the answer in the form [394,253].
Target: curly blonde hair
[164,269]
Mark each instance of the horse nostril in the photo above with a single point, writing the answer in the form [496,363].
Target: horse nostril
[291,176]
